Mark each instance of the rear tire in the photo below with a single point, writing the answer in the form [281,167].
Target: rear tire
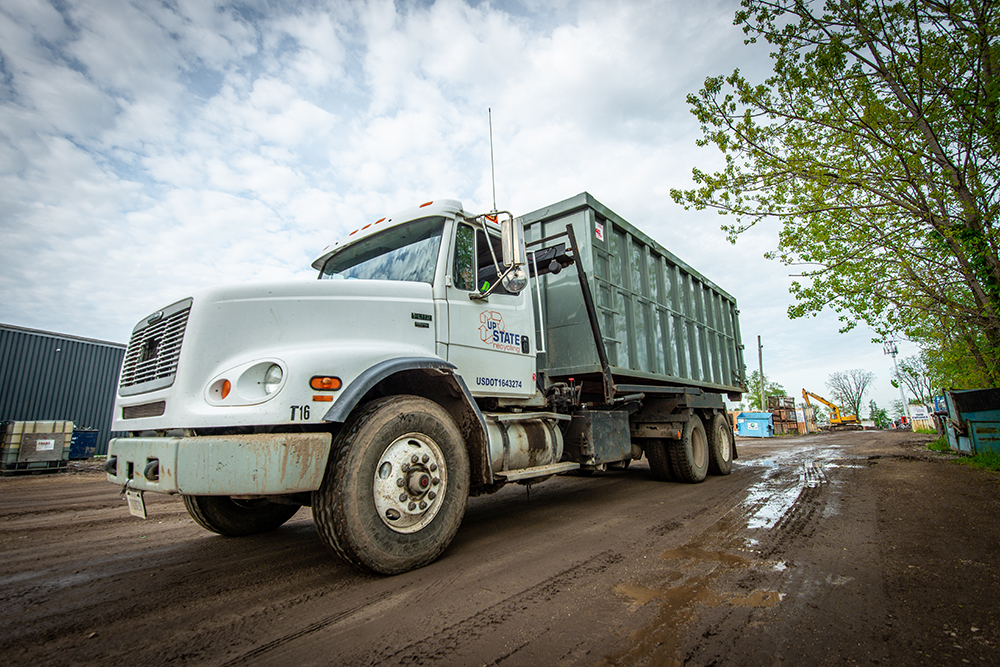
[659,460]
[378,508]
[689,455]
[236,518]
[721,446]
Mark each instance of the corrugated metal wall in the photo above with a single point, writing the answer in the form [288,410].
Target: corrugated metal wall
[53,377]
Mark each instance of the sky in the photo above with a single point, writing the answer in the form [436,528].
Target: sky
[149,149]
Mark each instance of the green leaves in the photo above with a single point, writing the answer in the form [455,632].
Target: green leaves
[875,143]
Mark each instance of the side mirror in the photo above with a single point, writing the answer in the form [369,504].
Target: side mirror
[515,256]
[512,240]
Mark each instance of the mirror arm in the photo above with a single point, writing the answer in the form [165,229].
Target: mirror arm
[499,280]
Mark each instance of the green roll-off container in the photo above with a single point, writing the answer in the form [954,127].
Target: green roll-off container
[662,322]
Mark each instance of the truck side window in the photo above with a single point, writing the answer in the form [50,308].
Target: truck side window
[463,272]
[486,270]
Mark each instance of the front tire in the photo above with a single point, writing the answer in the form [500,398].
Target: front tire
[396,486]
[236,518]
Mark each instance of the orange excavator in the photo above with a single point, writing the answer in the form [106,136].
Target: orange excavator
[836,419]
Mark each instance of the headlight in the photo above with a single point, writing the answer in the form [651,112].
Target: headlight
[272,378]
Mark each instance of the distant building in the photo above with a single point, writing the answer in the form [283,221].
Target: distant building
[48,376]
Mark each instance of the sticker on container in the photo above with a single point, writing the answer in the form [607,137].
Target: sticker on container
[599,231]
[45,445]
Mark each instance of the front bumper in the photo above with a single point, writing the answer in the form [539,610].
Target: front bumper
[225,465]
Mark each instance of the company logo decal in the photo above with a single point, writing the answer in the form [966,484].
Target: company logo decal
[493,333]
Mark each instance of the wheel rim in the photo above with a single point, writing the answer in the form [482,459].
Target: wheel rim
[410,483]
[699,449]
[725,444]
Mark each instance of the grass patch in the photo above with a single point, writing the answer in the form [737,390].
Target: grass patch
[925,431]
[983,461]
[939,445]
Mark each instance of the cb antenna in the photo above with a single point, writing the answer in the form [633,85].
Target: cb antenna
[493,171]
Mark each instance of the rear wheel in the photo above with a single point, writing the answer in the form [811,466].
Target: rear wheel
[659,461]
[720,446]
[396,486]
[236,518]
[689,455]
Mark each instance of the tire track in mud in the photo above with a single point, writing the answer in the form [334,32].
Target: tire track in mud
[368,607]
[799,519]
[444,645]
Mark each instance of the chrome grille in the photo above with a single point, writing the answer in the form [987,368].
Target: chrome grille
[151,358]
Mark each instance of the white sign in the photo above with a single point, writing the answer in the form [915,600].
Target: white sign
[45,445]
[599,231]
[920,412]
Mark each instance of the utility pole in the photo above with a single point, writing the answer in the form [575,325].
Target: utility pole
[892,350]
[760,362]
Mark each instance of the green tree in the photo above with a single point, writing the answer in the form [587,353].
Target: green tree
[770,389]
[876,144]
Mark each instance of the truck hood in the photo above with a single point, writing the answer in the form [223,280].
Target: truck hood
[334,327]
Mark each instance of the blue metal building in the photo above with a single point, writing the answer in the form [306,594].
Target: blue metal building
[47,376]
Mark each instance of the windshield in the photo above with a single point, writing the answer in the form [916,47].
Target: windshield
[407,252]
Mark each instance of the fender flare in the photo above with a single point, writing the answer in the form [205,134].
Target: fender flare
[462,407]
[363,383]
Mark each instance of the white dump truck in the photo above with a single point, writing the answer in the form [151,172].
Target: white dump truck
[439,355]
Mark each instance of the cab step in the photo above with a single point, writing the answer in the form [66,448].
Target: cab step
[537,471]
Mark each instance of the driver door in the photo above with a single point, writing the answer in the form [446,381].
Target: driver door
[490,340]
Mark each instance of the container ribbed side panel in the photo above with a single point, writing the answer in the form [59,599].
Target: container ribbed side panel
[48,376]
[661,320]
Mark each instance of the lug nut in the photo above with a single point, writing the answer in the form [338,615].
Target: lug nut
[404,467]
[432,495]
[412,506]
[400,482]
[402,497]
[433,467]
[436,481]
[414,459]
[426,458]
[423,505]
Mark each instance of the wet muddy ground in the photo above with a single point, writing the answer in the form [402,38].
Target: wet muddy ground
[855,548]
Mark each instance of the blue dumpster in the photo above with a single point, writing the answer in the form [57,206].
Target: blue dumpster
[755,424]
[974,420]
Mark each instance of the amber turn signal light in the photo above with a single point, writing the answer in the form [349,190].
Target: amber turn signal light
[325,383]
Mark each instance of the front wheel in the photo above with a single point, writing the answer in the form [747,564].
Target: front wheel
[396,486]
[236,518]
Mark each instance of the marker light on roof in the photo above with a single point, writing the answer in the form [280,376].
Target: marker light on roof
[426,204]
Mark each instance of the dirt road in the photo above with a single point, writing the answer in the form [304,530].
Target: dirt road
[858,548]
